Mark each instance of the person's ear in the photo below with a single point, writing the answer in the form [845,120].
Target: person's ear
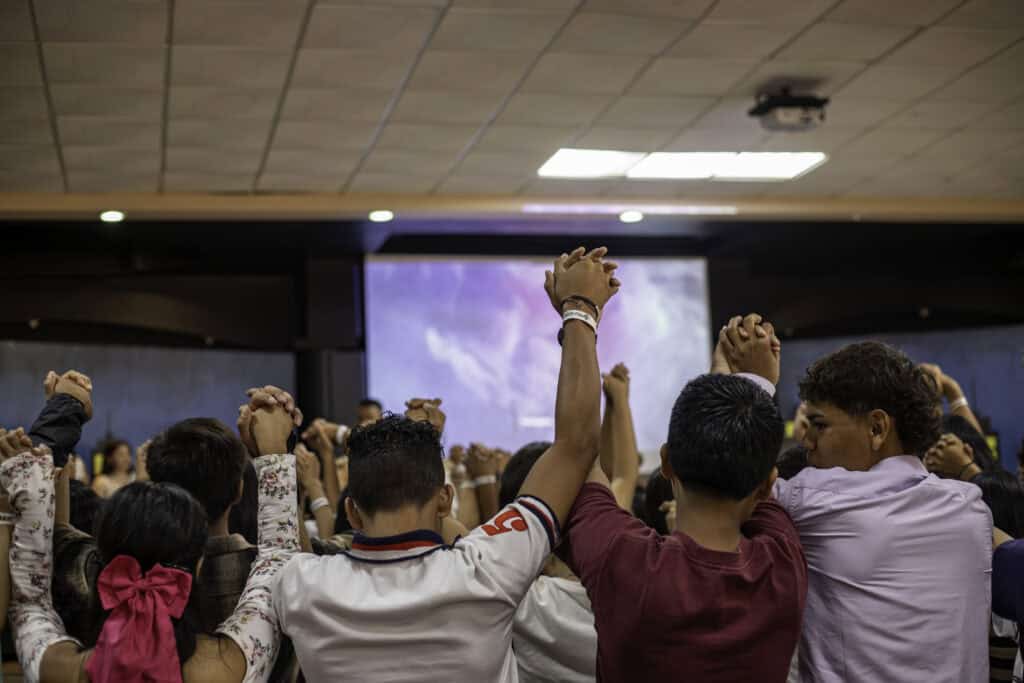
[355,518]
[764,491]
[879,428]
[666,465]
[444,500]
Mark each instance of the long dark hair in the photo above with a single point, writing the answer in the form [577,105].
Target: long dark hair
[158,523]
[108,451]
[1005,498]
[243,516]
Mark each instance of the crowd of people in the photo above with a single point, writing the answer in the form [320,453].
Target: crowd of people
[878,548]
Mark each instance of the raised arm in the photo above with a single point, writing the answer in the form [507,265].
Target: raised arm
[579,284]
[307,466]
[619,458]
[950,390]
[68,407]
[482,468]
[316,437]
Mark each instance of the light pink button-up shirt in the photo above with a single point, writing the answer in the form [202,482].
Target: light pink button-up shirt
[900,566]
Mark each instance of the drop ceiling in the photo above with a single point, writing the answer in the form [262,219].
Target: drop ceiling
[470,97]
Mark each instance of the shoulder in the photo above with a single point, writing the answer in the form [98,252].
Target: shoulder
[216,659]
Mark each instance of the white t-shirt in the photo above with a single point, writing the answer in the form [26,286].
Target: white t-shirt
[409,608]
[554,637]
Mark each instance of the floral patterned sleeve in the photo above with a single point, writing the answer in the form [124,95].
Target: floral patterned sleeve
[253,626]
[28,480]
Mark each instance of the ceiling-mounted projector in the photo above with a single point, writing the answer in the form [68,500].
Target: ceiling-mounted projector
[785,111]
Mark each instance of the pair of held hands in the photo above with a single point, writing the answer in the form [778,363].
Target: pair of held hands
[748,344]
[949,457]
[72,383]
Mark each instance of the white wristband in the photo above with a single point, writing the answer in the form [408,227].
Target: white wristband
[485,480]
[582,316]
[957,404]
[339,436]
[468,484]
[320,502]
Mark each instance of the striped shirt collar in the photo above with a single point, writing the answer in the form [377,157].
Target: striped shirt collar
[398,547]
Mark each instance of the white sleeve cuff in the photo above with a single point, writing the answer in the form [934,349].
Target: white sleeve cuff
[339,437]
[759,381]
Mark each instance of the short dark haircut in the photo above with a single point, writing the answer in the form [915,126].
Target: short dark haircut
[85,506]
[792,462]
[963,430]
[870,376]
[724,436]
[657,492]
[518,468]
[394,462]
[202,456]
[108,452]
[341,523]
[1004,496]
[371,403]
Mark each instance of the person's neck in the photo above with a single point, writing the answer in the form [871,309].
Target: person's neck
[713,522]
[400,521]
[220,526]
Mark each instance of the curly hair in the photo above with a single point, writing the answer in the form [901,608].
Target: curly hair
[867,376]
[394,462]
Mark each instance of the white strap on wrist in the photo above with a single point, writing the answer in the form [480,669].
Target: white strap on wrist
[957,404]
[485,480]
[320,502]
[339,436]
[582,316]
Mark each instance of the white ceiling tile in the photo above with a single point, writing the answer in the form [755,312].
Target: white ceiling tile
[992,82]
[1009,164]
[968,147]
[987,14]
[513,4]
[680,9]
[321,104]
[20,181]
[730,112]
[898,82]
[554,110]
[618,34]
[514,164]
[439,106]
[889,143]
[818,77]
[396,3]
[396,183]
[291,182]
[944,46]
[717,140]
[399,28]
[709,40]
[207,182]
[470,29]
[313,162]
[904,12]
[139,104]
[219,133]
[69,21]
[583,73]
[432,164]
[626,139]
[672,76]
[854,42]
[109,131]
[646,188]
[328,135]
[846,112]
[1004,118]
[351,68]
[15,21]
[824,139]
[701,189]
[639,111]
[212,160]
[208,102]
[104,181]
[258,24]
[800,12]
[478,184]
[29,159]
[97,158]
[984,182]
[229,66]
[121,65]
[426,137]
[823,181]
[556,187]
[939,114]
[480,70]
[18,102]
[19,64]
[507,137]
[26,132]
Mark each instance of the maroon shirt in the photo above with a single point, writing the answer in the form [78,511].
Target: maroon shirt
[668,609]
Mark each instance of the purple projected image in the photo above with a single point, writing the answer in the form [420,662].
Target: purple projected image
[480,334]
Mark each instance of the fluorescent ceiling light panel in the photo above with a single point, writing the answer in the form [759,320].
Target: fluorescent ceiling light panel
[679,166]
[588,163]
[768,165]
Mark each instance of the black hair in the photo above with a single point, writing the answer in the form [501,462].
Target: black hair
[108,452]
[724,436]
[1005,498]
[867,376]
[394,462]
[965,431]
[158,523]
[243,518]
[791,462]
[518,468]
[202,456]
[341,523]
[371,403]
[657,492]
[85,506]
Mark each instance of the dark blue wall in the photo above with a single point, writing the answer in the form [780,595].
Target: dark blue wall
[137,390]
[988,363]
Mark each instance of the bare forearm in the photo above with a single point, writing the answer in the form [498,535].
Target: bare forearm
[625,464]
[607,455]
[469,506]
[578,403]
[332,487]
[487,499]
